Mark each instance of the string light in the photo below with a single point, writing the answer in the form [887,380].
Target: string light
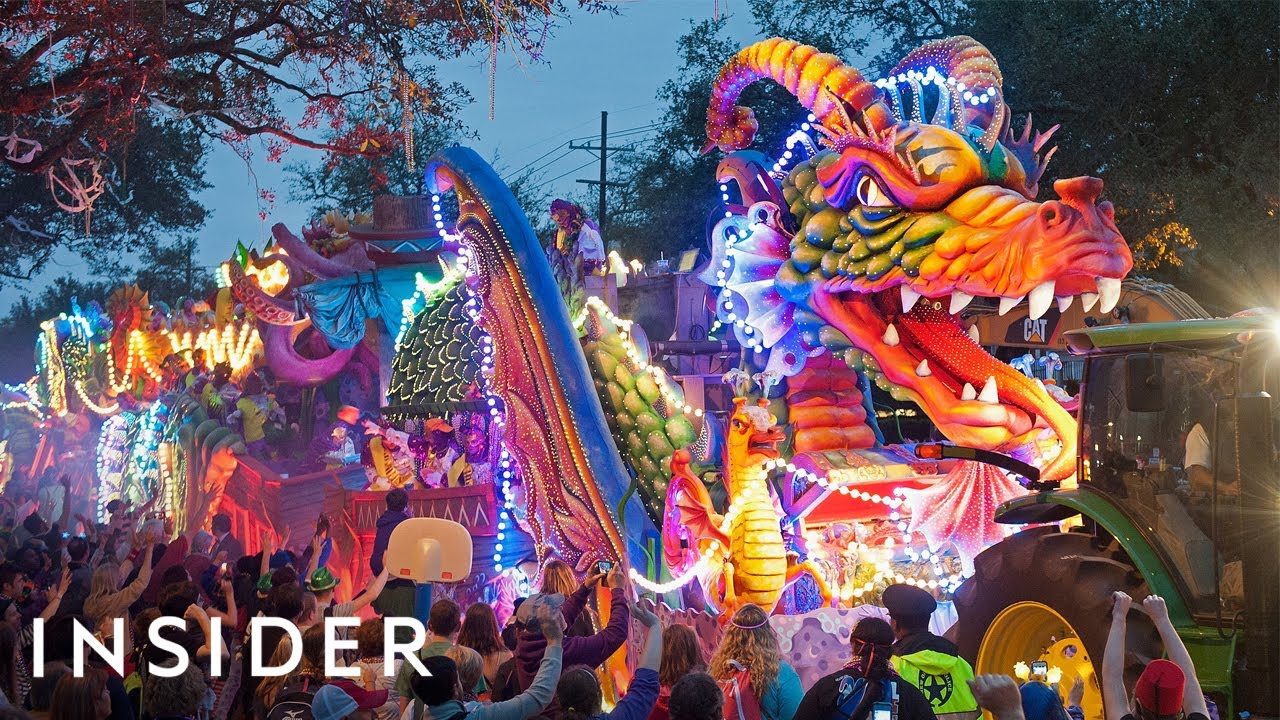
[639,364]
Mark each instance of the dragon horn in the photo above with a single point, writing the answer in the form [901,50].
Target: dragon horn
[818,80]
[967,61]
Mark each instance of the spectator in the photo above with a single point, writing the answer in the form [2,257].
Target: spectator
[443,625]
[578,692]
[695,696]
[868,678]
[437,695]
[480,633]
[41,696]
[921,657]
[558,577]
[681,655]
[224,543]
[590,651]
[397,512]
[750,642]
[506,685]
[82,698]
[1041,702]
[174,697]
[398,596]
[307,678]
[372,648]
[1166,687]
[332,703]
[107,601]
[322,583]
[470,671]
[81,576]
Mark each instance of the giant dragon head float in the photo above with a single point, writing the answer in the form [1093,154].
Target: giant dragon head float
[880,241]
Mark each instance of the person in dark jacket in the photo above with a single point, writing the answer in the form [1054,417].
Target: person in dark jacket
[589,651]
[396,513]
[398,596]
[852,691]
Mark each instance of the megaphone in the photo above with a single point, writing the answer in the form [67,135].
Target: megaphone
[427,550]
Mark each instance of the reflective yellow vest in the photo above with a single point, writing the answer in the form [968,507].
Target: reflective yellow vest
[942,679]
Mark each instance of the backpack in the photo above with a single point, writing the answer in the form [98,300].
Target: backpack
[294,702]
[851,692]
[740,703]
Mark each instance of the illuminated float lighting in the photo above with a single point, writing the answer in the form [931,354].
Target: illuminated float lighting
[655,373]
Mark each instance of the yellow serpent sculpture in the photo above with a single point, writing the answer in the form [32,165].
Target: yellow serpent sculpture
[740,557]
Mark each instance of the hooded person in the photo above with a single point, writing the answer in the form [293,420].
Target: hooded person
[851,692]
[590,651]
[929,662]
[1041,702]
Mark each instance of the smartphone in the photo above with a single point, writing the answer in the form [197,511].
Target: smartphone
[225,566]
[604,566]
[881,711]
[1039,667]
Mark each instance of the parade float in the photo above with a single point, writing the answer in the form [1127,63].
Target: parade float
[444,350]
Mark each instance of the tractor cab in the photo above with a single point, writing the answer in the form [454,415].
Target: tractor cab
[1178,431]
[1178,495]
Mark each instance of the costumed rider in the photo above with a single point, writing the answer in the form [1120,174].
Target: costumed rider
[931,663]
[440,453]
[390,465]
[473,468]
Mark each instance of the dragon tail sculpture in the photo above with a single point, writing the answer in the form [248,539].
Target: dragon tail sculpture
[559,438]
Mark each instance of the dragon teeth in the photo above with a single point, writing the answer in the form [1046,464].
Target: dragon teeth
[1109,292]
[890,336]
[989,394]
[909,298]
[968,393]
[959,301]
[922,370]
[1040,299]
[1088,300]
[1064,303]
[973,334]
[1008,303]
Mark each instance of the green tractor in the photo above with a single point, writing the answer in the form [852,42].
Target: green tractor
[1178,495]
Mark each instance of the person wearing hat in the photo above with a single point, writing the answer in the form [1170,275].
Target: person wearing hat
[1166,688]
[332,703]
[322,583]
[929,662]
[851,692]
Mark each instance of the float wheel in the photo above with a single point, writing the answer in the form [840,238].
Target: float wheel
[1045,595]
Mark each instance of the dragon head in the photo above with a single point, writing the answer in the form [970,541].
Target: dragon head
[753,434]
[880,241]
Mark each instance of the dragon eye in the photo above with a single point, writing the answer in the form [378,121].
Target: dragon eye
[870,194]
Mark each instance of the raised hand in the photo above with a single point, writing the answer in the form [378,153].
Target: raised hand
[617,578]
[1156,608]
[999,694]
[1076,694]
[645,617]
[1122,604]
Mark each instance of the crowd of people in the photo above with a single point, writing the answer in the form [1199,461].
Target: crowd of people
[117,578]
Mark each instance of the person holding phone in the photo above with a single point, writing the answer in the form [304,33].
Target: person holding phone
[558,577]
[868,687]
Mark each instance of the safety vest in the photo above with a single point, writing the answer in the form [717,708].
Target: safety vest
[942,679]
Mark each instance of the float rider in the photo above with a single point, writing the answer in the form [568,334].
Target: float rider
[931,663]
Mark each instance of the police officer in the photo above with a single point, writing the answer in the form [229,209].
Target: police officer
[931,663]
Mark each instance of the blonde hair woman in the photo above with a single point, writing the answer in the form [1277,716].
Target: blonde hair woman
[750,642]
[558,577]
[107,601]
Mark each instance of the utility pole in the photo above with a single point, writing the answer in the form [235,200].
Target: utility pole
[603,182]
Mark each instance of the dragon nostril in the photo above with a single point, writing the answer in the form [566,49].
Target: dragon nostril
[1052,213]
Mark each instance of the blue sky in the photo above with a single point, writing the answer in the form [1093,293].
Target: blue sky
[592,63]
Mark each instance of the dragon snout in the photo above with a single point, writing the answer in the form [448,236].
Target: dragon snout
[1079,192]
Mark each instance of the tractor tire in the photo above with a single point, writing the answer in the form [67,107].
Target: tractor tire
[1071,575]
